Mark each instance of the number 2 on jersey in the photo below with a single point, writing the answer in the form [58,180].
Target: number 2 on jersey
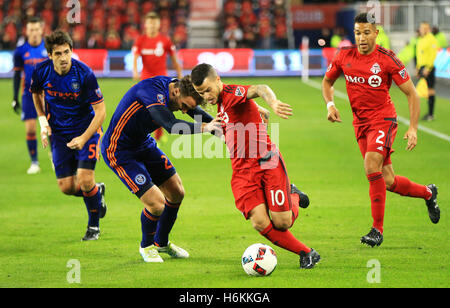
[382,134]
[166,162]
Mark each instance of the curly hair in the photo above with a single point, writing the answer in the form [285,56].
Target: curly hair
[187,89]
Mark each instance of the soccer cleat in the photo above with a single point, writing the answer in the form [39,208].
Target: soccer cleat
[92,234]
[310,259]
[34,169]
[103,208]
[374,237]
[304,200]
[150,254]
[428,118]
[433,209]
[173,251]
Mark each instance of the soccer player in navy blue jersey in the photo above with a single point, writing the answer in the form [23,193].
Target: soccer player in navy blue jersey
[26,56]
[130,151]
[71,117]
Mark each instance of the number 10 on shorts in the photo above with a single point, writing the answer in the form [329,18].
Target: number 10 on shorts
[277,197]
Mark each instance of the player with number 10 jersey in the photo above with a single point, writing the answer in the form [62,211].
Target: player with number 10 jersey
[260,183]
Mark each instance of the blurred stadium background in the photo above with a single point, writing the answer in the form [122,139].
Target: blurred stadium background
[239,37]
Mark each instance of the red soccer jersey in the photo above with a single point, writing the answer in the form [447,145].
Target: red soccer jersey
[154,51]
[244,130]
[368,79]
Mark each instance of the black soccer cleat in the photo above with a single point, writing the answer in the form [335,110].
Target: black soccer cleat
[374,237]
[310,259]
[433,209]
[103,207]
[304,200]
[92,234]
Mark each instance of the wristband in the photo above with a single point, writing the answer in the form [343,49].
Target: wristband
[43,123]
[330,104]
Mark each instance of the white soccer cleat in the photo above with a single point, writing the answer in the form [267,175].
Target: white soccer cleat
[34,169]
[174,251]
[150,254]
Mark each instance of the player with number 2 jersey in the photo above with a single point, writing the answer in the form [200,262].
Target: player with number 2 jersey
[369,70]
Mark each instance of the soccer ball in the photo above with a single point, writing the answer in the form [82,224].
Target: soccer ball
[259,260]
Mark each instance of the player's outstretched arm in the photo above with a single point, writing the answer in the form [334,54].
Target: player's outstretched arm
[78,143]
[38,100]
[281,109]
[328,94]
[414,113]
[165,118]
[198,112]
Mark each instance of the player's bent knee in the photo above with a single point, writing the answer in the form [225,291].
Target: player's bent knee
[282,220]
[389,181]
[259,225]
[86,184]
[153,201]
[282,225]
[66,188]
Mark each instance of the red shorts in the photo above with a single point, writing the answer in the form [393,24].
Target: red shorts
[377,137]
[262,185]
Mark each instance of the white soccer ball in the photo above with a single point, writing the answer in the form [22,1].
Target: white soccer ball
[259,260]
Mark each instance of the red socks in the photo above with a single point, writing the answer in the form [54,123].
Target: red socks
[403,186]
[377,193]
[284,239]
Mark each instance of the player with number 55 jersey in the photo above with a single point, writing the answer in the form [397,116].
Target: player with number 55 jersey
[369,70]
[71,110]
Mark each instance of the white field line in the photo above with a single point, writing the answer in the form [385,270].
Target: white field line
[342,95]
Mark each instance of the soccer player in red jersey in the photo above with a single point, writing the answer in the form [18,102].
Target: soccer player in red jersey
[260,183]
[153,48]
[369,71]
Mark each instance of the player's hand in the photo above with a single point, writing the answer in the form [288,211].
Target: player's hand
[281,109]
[76,143]
[135,76]
[333,115]
[411,136]
[215,127]
[16,106]
[46,131]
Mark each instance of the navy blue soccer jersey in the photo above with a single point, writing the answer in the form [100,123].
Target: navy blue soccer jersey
[68,98]
[26,57]
[143,109]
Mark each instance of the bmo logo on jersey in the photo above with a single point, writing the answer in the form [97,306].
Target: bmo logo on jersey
[373,81]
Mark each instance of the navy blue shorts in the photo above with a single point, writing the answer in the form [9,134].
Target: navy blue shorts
[68,161]
[28,110]
[139,169]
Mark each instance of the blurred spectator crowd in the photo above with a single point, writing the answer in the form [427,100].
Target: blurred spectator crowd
[110,24]
[255,24]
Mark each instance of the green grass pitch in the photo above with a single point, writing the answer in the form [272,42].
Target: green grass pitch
[41,228]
